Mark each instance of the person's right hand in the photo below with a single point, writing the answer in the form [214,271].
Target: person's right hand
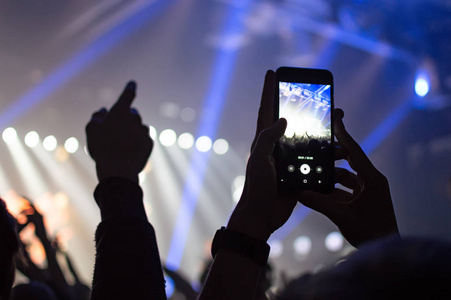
[117,140]
[365,214]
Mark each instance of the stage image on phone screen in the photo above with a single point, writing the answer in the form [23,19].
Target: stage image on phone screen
[306,145]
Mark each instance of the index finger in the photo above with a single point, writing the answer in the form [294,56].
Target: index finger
[125,99]
[266,111]
[356,157]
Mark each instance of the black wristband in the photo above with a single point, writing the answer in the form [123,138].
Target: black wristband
[236,241]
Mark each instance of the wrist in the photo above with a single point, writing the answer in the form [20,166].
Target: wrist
[120,170]
[245,224]
[119,197]
[237,242]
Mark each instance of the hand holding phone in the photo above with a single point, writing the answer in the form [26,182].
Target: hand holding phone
[365,214]
[304,154]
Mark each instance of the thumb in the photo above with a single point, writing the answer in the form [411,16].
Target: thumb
[268,137]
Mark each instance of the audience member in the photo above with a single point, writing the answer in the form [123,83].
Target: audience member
[51,276]
[36,290]
[408,268]
[127,264]
[240,250]
[9,248]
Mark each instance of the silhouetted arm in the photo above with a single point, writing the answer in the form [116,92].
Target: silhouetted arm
[260,211]
[127,262]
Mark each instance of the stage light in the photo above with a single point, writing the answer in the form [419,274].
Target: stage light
[422,84]
[237,187]
[203,143]
[334,241]
[169,110]
[49,143]
[221,146]
[237,195]
[276,248]
[187,114]
[185,140]
[9,135]
[170,286]
[168,137]
[152,132]
[302,245]
[238,182]
[142,176]
[32,139]
[71,145]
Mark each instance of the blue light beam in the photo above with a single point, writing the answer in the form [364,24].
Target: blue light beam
[214,102]
[80,61]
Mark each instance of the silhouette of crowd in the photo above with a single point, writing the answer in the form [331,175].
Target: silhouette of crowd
[128,264]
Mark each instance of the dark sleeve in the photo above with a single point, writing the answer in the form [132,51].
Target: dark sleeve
[127,264]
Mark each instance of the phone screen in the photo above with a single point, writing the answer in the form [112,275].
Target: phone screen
[305,148]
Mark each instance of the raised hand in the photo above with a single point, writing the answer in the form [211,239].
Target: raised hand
[261,210]
[366,213]
[117,140]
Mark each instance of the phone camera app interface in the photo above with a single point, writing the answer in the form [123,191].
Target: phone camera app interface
[306,145]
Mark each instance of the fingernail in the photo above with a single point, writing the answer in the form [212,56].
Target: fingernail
[131,85]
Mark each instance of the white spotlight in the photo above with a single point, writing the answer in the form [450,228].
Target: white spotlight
[142,176]
[203,143]
[237,187]
[49,143]
[152,132]
[168,137]
[221,146]
[238,182]
[71,145]
[9,135]
[32,139]
[422,84]
[302,245]
[186,140]
[334,241]
[276,248]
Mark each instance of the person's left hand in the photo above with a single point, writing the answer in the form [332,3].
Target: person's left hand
[117,140]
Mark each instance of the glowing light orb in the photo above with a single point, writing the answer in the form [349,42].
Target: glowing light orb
[221,146]
[203,143]
[422,85]
[276,248]
[168,137]
[152,132]
[302,245]
[32,139]
[71,145]
[334,241]
[186,140]
[49,143]
[9,135]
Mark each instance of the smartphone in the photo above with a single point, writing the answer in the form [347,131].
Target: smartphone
[304,154]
